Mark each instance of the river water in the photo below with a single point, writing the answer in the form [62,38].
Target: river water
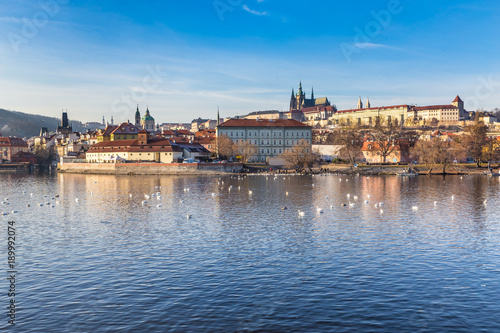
[101,260]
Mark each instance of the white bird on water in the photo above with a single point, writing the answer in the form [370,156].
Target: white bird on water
[146,196]
[381,211]
[301,213]
[188,216]
[143,202]
[348,195]
[452,197]
[286,193]
[355,197]
[435,203]
[319,210]
[76,200]
[414,208]
[250,192]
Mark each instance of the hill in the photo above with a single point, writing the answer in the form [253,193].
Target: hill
[25,125]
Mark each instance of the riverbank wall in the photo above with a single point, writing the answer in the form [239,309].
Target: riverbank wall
[151,168]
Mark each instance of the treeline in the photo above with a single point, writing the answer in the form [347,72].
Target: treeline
[24,125]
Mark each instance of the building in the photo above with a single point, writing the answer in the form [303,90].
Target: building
[142,149]
[270,137]
[146,149]
[147,122]
[271,114]
[24,157]
[124,131]
[400,153]
[400,115]
[299,101]
[64,127]
[10,146]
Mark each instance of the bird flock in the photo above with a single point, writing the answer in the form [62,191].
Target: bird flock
[352,200]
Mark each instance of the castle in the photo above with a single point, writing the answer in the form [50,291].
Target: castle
[299,101]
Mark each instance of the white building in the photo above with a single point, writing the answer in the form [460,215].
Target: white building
[271,137]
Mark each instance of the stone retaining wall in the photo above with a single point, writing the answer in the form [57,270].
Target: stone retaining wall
[151,168]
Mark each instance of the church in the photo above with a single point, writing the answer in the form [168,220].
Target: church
[299,101]
[147,122]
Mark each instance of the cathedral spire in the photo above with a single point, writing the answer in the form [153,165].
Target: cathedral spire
[218,117]
[300,93]
[360,103]
[312,93]
[368,103]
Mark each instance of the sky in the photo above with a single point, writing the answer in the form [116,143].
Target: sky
[185,59]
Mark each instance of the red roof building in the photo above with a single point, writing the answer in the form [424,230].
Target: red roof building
[9,146]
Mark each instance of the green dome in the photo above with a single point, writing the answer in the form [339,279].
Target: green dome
[148,117]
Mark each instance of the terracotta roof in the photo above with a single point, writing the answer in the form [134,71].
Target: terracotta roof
[374,109]
[109,129]
[17,142]
[262,123]
[125,128]
[457,99]
[434,107]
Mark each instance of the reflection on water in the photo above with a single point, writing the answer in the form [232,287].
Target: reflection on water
[102,259]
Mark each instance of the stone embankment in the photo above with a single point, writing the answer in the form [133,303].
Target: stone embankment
[151,168]
[395,170]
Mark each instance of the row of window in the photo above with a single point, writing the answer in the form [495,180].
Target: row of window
[268,142]
[301,134]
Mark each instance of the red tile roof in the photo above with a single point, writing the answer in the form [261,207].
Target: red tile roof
[13,142]
[457,99]
[374,109]
[434,107]
[126,128]
[262,123]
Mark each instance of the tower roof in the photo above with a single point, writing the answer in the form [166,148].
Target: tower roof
[137,113]
[457,99]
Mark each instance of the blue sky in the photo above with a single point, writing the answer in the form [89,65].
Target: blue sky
[186,58]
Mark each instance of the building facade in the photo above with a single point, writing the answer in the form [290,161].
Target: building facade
[10,146]
[269,137]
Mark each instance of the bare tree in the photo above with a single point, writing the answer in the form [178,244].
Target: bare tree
[351,140]
[300,157]
[386,140]
[245,150]
[491,151]
[225,147]
[475,140]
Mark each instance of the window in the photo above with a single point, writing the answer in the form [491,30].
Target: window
[249,133]
[267,142]
[268,150]
[275,150]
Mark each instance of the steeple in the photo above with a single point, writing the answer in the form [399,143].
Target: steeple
[368,103]
[218,117]
[300,93]
[137,117]
[360,103]
[293,93]
[103,121]
[312,93]
[147,110]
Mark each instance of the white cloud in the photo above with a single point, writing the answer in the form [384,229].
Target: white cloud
[370,46]
[251,11]
[10,19]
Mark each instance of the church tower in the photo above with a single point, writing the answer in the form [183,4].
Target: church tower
[137,118]
[368,103]
[218,117]
[360,103]
[312,93]
[148,122]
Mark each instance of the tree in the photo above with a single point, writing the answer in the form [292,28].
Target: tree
[225,147]
[437,152]
[386,140]
[475,140]
[491,151]
[300,157]
[351,140]
[245,150]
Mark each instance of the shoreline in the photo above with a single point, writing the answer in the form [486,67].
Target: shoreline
[151,168]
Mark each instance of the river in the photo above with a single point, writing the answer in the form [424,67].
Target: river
[203,254]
